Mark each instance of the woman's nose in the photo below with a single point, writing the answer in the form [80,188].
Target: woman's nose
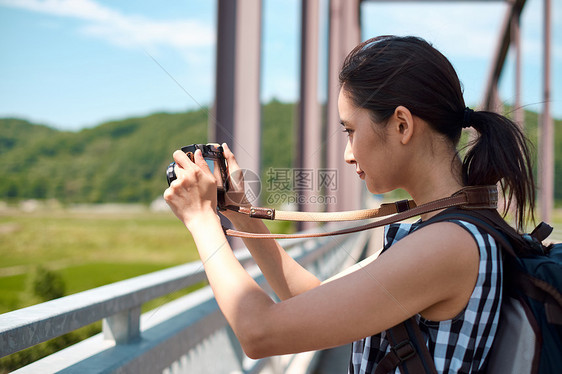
[348,155]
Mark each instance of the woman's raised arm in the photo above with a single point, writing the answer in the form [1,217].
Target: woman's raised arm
[286,277]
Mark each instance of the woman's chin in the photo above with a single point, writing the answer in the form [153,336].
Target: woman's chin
[373,189]
[376,190]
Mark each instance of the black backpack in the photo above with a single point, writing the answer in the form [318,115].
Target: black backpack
[529,336]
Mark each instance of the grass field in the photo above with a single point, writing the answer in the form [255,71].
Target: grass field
[84,247]
[87,248]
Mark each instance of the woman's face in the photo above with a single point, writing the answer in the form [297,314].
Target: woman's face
[368,150]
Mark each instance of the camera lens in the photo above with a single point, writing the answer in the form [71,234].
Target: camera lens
[170,173]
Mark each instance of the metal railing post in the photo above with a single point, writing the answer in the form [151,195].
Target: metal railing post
[122,327]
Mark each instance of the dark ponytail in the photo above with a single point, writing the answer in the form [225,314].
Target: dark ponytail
[383,73]
[501,154]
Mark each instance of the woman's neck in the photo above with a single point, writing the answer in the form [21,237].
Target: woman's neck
[435,181]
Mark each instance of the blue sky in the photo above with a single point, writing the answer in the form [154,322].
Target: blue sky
[76,63]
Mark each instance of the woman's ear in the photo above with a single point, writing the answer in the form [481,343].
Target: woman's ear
[404,123]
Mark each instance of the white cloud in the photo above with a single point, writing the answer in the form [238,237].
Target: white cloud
[121,29]
[462,29]
[70,8]
[458,29]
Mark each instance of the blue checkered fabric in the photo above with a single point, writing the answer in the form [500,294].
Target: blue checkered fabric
[459,345]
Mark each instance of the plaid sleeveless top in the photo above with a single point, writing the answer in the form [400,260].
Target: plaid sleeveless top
[459,345]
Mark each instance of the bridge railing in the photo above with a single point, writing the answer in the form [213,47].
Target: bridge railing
[188,334]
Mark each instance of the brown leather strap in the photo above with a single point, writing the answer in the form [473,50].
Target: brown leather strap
[352,215]
[476,197]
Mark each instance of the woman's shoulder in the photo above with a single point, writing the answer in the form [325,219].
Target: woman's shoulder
[468,230]
[445,235]
[455,230]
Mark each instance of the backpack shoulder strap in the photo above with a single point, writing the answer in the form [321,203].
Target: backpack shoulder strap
[408,351]
[487,219]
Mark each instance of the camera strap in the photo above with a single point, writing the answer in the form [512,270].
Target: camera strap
[473,197]
[352,215]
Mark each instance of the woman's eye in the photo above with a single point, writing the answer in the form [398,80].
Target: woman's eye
[348,131]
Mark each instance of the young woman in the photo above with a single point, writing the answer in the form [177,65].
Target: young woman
[402,108]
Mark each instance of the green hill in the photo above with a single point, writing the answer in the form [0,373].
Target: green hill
[124,161]
[119,161]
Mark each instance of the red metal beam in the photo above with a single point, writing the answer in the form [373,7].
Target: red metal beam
[490,95]
[345,33]
[334,142]
[309,148]
[237,93]
[518,113]
[546,140]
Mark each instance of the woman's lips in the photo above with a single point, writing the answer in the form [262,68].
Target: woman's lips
[361,174]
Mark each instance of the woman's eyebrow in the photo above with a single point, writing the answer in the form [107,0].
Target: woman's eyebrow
[343,123]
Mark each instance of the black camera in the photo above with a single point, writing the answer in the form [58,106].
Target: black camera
[213,154]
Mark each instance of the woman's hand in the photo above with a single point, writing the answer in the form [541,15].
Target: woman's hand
[236,194]
[194,193]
